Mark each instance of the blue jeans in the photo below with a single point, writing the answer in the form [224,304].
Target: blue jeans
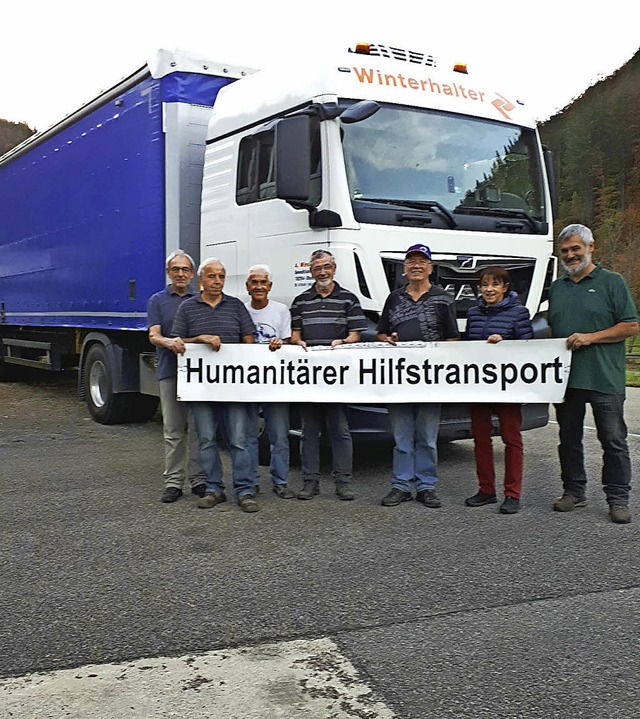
[232,418]
[334,418]
[276,425]
[415,455]
[608,413]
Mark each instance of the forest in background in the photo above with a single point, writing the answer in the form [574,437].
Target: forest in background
[596,145]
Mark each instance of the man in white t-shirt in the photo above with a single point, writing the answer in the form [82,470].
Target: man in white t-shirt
[273,327]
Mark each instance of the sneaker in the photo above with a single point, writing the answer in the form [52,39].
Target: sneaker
[170,494]
[199,490]
[429,498]
[210,500]
[247,503]
[395,497]
[480,499]
[619,514]
[343,491]
[568,502]
[511,505]
[310,489]
[282,491]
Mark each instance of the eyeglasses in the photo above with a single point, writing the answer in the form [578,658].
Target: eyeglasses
[322,268]
[177,270]
[417,261]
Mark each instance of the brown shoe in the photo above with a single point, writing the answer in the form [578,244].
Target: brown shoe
[211,499]
[429,498]
[282,491]
[310,489]
[568,502]
[343,491]
[619,514]
[247,503]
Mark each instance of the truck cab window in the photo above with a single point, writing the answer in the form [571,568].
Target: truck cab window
[463,171]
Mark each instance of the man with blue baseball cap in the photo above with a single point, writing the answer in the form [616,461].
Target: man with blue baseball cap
[420,311]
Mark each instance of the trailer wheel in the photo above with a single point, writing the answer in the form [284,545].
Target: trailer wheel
[104,406]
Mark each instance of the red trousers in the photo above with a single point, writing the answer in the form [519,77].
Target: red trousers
[510,417]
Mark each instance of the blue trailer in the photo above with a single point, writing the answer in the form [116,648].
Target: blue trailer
[89,209]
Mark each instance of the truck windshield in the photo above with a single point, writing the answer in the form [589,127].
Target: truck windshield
[462,172]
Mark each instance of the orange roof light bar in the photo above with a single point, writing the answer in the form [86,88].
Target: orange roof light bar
[461,67]
[363,48]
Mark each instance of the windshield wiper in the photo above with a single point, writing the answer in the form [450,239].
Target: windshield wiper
[428,205]
[515,214]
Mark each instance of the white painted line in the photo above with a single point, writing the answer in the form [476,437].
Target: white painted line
[309,679]
[593,429]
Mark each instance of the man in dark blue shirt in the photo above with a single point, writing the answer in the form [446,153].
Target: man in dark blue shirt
[180,439]
[213,318]
[326,314]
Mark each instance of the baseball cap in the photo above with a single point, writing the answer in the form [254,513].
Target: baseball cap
[422,249]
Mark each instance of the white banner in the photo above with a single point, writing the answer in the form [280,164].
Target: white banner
[378,373]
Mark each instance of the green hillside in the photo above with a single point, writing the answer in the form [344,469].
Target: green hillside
[596,142]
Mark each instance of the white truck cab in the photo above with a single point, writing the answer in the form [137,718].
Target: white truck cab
[370,154]
[366,157]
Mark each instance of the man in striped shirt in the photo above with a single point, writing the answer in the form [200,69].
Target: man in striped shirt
[325,314]
[213,318]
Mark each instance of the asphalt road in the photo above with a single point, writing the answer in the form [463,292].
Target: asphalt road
[456,612]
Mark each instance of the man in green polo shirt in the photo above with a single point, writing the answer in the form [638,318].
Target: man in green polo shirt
[592,307]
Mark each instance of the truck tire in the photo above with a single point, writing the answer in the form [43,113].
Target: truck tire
[104,406]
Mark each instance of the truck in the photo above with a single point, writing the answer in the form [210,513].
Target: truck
[364,154]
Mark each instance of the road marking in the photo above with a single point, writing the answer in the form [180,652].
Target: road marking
[309,679]
[594,429]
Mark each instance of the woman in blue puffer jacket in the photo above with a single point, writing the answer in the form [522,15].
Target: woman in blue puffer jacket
[496,316]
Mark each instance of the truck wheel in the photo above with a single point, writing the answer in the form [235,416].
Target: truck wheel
[104,406]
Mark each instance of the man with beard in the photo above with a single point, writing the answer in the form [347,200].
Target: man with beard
[592,307]
[330,315]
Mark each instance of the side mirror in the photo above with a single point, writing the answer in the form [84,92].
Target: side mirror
[293,158]
[359,111]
